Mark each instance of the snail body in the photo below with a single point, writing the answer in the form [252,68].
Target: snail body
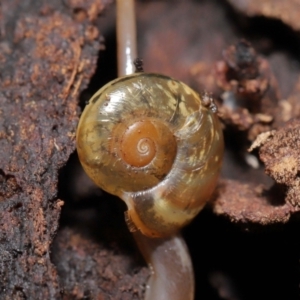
[152,141]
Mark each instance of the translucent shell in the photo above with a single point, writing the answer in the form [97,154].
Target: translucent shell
[150,140]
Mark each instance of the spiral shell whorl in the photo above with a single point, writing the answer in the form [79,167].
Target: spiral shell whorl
[150,140]
[137,146]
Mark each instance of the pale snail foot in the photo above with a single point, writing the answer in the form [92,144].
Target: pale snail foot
[172,275]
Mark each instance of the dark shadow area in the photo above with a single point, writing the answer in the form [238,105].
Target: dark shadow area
[260,263]
[276,35]
[106,68]
[276,194]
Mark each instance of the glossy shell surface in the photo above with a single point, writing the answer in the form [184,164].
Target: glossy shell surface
[152,141]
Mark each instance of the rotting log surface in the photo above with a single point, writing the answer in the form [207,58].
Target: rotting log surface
[46,59]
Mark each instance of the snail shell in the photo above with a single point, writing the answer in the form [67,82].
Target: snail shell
[152,141]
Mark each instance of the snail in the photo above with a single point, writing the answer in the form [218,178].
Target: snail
[158,145]
[152,141]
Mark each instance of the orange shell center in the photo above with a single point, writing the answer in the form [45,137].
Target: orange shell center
[138,146]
